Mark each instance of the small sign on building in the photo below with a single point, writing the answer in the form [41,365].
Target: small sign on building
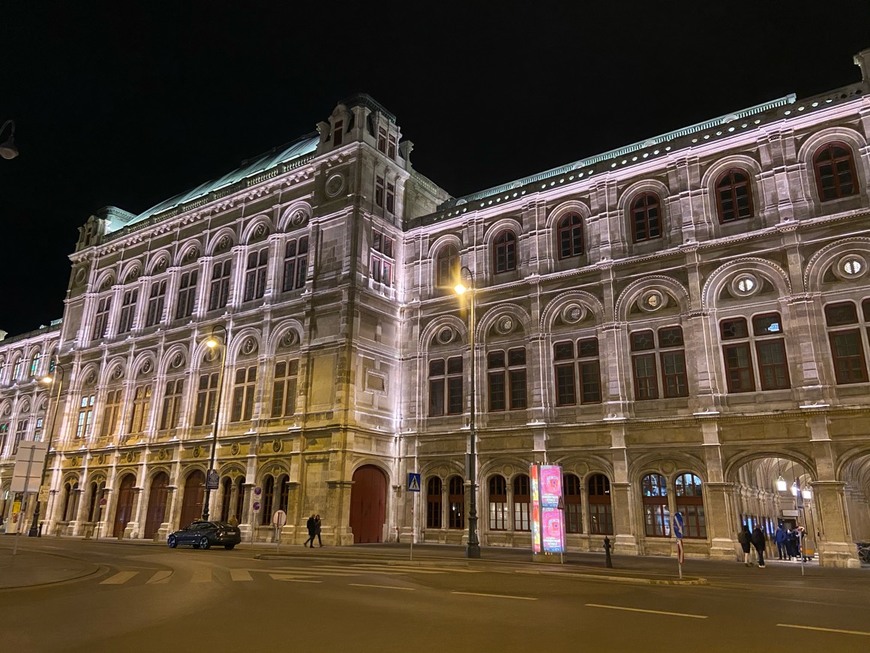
[413,482]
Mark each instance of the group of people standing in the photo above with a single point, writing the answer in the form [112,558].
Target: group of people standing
[789,543]
[313,525]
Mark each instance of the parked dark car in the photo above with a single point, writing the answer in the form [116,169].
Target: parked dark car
[205,534]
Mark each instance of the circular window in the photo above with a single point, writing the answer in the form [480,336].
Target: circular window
[652,300]
[334,185]
[504,325]
[573,313]
[445,336]
[745,285]
[851,266]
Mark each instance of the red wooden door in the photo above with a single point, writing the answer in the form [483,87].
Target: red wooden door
[368,504]
[194,491]
[124,509]
[156,504]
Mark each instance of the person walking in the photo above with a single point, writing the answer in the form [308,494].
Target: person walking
[780,538]
[759,541]
[744,538]
[311,526]
[316,532]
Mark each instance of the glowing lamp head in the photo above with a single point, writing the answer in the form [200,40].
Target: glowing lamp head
[212,343]
[781,485]
[460,288]
[47,379]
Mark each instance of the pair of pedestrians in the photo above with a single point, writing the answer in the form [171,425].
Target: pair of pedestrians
[313,526]
[754,539]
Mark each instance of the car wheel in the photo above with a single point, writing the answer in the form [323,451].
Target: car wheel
[204,543]
[172,542]
[229,547]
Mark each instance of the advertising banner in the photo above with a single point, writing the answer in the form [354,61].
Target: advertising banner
[547,519]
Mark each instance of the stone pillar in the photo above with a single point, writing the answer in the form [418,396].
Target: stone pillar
[621,503]
[836,548]
[721,515]
[338,507]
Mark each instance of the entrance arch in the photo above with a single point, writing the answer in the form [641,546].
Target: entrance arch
[156,504]
[124,509]
[194,491]
[368,505]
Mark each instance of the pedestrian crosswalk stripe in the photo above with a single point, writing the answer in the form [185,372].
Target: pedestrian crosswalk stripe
[240,575]
[160,577]
[120,578]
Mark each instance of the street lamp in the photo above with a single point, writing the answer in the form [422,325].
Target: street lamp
[49,380]
[8,150]
[211,478]
[472,549]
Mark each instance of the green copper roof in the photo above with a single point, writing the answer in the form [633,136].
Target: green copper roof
[281,155]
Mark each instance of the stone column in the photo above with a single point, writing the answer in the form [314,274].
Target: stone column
[836,548]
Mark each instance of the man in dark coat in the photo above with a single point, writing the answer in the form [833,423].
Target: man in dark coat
[311,525]
[759,541]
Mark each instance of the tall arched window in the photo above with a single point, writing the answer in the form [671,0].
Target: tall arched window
[283,492]
[433,502]
[569,234]
[656,516]
[835,171]
[521,500]
[268,500]
[447,267]
[70,501]
[504,252]
[645,218]
[572,498]
[497,503]
[600,515]
[733,196]
[690,502]
[456,501]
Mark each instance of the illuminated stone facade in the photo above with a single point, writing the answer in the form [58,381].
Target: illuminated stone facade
[677,323]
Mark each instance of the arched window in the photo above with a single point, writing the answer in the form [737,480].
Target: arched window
[656,515]
[765,345]
[645,220]
[447,267]
[835,172]
[497,503]
[733,196]
[572,498]
[600,515]
[268,500]
[521,500]
[690,502]
[456,499]
[284,492]
[504,252]
[226,494]
[569,233]
[70,501]
[433,502]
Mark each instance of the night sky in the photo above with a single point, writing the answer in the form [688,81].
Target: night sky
[121,106]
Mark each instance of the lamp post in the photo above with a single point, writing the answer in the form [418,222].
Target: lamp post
[211,481]
[49,380]
[8,149]
[472,548]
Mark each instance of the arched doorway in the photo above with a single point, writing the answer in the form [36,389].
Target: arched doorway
[156,504]
[194,491]
[368,505]
[124,509]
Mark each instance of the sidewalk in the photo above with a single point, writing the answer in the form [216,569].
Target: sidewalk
[29,568]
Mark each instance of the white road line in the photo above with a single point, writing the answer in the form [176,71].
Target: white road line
[497,596]
[313,572]
[120,578]
[826,630]
[287,579]
[201,575]
[159,577]
[669,614]
[240,575]
[383,587]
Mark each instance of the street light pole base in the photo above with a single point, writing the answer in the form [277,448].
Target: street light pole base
[472,551]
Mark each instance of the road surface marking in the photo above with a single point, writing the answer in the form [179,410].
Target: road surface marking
[312,572]
[120,578]
[159,577]
[669,614]
[383,587]
[287,579]
[201,575]
[826,630]
[497,596]
[240,574]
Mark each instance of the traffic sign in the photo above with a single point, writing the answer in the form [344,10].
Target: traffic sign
[279,518]
[256,506]
[212,481]
[413,482]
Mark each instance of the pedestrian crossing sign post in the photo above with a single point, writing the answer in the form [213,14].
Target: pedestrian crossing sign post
[413,486]
[413,482]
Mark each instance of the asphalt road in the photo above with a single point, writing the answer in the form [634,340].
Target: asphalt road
[148,598]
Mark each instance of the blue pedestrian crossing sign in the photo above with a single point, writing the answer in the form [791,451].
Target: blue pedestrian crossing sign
[413,482]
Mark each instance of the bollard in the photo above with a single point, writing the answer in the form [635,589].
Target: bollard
[608,562]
